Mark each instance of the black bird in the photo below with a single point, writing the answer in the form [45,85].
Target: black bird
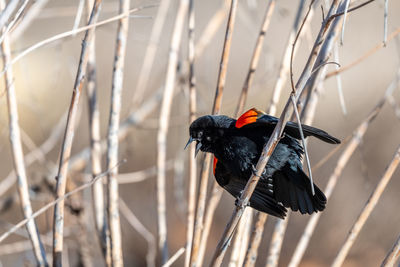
[237,146]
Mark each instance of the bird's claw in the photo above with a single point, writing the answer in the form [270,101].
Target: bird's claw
[239,203]
[254,170]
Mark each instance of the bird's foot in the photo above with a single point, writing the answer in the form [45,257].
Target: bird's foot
[254,170]
[239,203]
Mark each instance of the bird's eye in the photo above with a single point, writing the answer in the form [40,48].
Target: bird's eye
[208,138]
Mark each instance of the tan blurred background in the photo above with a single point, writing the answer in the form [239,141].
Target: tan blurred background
[44,81]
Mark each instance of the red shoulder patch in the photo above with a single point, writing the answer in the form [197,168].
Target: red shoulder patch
[248,117]
[215,164]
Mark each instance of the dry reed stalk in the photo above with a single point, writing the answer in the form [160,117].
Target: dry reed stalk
[28,17]
[114,226]
[7,11]
[142,230]
[174,257]
[277,241]
[139,176]
[241,239]
[255,239]
[150,54]
[51,204]
[211,29]
[31,157]
[256,57]
[18,154]
[65,153]
[341,163]
[199,220]
[68,34]
[16,18]
[285,62]
[393,255]
[366,211]
[274,139]
[163,128]
[364,56]
[192,116]
[95,147]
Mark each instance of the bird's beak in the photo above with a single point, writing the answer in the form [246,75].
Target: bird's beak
[198,145]
[189,142]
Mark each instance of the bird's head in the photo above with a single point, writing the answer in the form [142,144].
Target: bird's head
[208,130]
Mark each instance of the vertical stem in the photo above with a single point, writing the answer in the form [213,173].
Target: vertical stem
[163,129]
[18,155]
[277,241]
[255,239]
[197,236]
[393,255]
[256,56]
[95,146]
[58,227]
[192,149]
[112,137]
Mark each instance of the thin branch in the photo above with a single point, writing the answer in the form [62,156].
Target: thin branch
[17,153]
[174,257]
[58,224]
[346,9]
[277,241]
[364,56]
[163,128]
[68,34]
[339,81]
[256,57]
[150,54]
[139,176]
[366,211]
[192,116]
[16,18]
[7,12]
[199,220]
[285,62]
[142,230]
[112,138]
[53,203]
[385,22]
[255,240]
[241,239]
[78,16]
[393,255]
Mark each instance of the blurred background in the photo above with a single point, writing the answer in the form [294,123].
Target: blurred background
[44,80]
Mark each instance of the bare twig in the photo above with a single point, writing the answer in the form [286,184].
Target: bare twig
[151,49]
[192,149]
[364,56]
[393,255]
[163,128]
[142,230]
[18,155]
[346,8]
[51,204]
[285,62]
[7,12]
[241,239]
[78,16]
[67,143]
[366,211]
[255,240]
[277,241]
[385,22]
[29,16]
[112,138]
[139,176]
[256,56]
[174,257]
[95,147]
[68,34]
[339,80]
[197,236]
[343,160]
[16,18]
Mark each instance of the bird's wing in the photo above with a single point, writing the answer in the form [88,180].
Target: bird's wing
[293,190]
[261,200]
[257,118]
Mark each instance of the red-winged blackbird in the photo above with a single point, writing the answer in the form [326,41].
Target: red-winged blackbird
[237,146]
